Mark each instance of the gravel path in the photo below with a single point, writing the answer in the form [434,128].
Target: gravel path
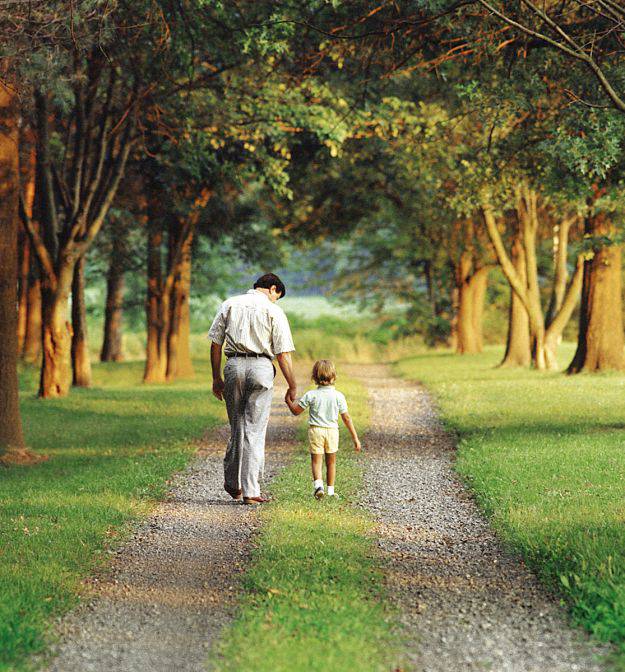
[172,586]
[466,604]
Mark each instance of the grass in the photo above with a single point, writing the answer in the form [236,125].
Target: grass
[112,449]
[545,455]
[312,594]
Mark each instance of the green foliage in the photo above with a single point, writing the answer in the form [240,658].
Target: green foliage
[547,466]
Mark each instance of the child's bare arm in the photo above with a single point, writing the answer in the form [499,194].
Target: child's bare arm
[352,430]
[294,407]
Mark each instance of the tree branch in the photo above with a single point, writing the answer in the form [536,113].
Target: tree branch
[574,50]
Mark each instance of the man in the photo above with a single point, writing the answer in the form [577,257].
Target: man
[252,330]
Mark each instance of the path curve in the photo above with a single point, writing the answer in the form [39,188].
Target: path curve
[466,604]
[173,586]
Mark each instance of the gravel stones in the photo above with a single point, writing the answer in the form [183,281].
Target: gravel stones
[173,586]
[465,603]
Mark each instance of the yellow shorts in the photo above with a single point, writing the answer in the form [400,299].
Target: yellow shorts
[323,440]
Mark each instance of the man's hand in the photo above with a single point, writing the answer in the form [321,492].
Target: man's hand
[291,395]
[218,388]
[357,446]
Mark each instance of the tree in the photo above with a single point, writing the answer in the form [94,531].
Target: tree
[587,31]
[11,435]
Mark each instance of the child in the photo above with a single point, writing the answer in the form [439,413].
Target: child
[324,405]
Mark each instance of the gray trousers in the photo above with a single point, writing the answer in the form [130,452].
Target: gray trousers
[248,391]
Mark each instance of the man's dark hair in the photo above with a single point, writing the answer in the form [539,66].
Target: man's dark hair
[268,280]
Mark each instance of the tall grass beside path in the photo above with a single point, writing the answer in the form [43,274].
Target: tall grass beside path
[545,455]
[313,596]
[112,449]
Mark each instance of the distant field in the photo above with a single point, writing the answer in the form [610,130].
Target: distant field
[312,307]
[321,329]
[545,456]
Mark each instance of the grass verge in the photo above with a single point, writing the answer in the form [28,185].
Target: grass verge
[313,596]
[544,454]
[112,449]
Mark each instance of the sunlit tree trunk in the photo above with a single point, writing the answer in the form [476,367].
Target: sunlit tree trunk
[179,363]
[479,282]
[156,354]
[112,341]
[467,339]
[55,337]
[471,283]
[81,361]
[453,323]
[23,275]
[27,172]
[528,292]
[600,340]
[560,272]
[11,435]
[31,344]
[518,344]
[32,339]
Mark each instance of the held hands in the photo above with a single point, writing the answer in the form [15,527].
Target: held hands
[218,388]
[357,445]
[290,396]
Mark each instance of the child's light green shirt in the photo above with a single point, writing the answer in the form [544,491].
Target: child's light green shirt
[324,405]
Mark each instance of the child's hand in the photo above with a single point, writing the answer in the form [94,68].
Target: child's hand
[357,446]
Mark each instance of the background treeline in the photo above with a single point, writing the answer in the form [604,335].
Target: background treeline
[413,153]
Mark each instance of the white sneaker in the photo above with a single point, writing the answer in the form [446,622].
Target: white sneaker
[319,493]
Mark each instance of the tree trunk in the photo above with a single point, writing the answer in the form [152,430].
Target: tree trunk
[560,272]
[81,361]
[27,174]
[156,349]
[528,292]
[467,338]
[471,288]
[518,345]
[24,261]
[11,435]
[32,339]
[528,218]
[112,342]
[55,335]
[600,339]
[179,363]
[453,323]
[479,282]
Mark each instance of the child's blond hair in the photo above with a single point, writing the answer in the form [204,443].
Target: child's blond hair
[323,372]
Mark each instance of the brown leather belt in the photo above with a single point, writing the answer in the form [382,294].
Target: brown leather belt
[248,354]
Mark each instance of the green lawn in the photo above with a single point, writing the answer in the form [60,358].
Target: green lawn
[111,449]
[545,455]
[313,592]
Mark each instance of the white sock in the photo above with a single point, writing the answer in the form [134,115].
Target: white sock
[330,490]
[318,484]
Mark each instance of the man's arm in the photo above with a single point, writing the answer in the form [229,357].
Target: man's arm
[286,366]
[218,381]
[352,430]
